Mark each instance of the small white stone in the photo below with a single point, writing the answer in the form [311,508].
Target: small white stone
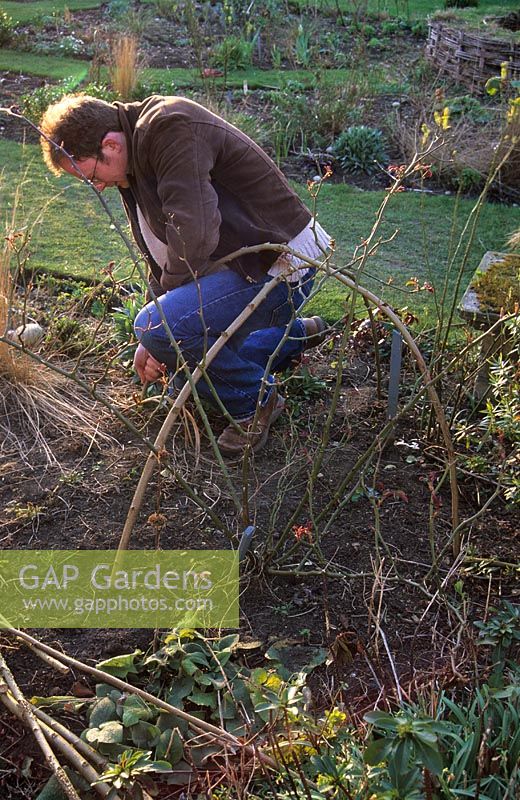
[29,334]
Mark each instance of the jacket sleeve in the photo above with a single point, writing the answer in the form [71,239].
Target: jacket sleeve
[182,163]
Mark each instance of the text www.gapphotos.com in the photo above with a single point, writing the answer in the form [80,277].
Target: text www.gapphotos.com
[111,605]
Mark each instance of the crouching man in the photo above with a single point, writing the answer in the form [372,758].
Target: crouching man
[196,189]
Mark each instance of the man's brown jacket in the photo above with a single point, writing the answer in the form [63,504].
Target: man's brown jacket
[205,190]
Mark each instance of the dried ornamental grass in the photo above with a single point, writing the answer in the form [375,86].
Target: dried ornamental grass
[38,406]
[124,66]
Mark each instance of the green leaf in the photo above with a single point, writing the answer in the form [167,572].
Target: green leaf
[167,721]
[179,690]
[382,720]
[401,756]
[198,658]
[425,736]
[217,680]
[107,733]
[105,690]
[203,679]
[236,726]
[261,708]
[226,643]
[170,747]
[259,676]
[273,654]
[103,710]
[182,774]
[200,753]
[145,735]
[121,666]
[203,698]
[135,709]
[319,657]
[377,751]
[227,709]
[429,757]
[188,666]
[224,657]
[240,693]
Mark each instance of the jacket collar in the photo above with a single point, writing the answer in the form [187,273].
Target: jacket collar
[128,114]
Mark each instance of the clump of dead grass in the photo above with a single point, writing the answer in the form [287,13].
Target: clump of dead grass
[38,406]
[467,153]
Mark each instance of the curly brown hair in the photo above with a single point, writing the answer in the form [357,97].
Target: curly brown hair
[77,123]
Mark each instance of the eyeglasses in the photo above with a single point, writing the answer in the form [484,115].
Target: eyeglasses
[93,178]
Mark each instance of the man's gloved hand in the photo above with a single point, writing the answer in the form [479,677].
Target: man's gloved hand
[146,366]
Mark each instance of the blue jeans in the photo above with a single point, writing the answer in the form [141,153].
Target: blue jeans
[198,312]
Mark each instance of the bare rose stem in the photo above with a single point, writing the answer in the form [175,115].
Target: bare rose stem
[178,404]
[352,284]
[371,298]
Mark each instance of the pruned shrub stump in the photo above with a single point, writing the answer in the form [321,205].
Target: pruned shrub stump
[483,309]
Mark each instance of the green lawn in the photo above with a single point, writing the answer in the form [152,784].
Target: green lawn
[415,9]
[70,231]
[25,12]
[51,67]
[57,68]
[428,229]
[376,80]
[73,235]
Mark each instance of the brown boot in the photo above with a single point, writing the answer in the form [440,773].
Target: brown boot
[317,331]
[233,443]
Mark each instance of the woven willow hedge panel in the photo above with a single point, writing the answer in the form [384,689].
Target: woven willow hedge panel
[468,57]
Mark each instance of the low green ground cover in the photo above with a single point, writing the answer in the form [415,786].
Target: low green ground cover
[271,78]
[429,227]
[72,233]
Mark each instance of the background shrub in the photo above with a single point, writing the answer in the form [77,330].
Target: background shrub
[360,149]
[234,52]
[468,181]
[6,28]
[33,104]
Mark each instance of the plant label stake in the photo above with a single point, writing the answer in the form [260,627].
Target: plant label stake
[395,373]
[245,542]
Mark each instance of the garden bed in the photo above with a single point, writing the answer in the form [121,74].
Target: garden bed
[83,502]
